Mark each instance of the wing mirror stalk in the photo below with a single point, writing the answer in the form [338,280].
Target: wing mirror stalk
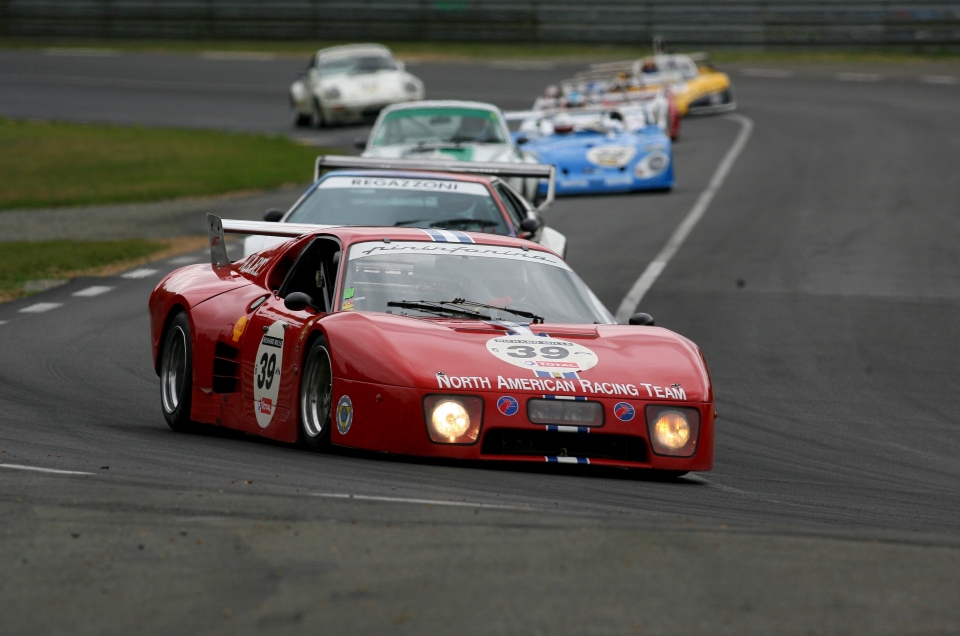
[529,226]
[298,301]
[272,215]
[644,320]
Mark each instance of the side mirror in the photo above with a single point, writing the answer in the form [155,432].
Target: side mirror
[645,320]
[360,143]
[522,139]
[297,301]
[530,225]
[272,215]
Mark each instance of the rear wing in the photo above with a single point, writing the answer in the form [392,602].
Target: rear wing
[526,170]
[217,227]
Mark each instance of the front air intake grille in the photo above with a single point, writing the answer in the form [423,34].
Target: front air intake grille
[589,445]
[226,368]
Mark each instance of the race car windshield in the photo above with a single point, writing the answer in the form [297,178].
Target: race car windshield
[422,278]
[425,126]
[402,202]
[357,65]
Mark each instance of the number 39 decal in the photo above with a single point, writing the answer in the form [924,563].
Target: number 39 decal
[266,374]
[540,353]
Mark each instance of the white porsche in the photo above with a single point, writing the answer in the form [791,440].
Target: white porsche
[347,84]
[448,130]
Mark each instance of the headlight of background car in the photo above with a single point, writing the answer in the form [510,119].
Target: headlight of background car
[410,87]
[652,164]
[453,419]
[331,93]
[673,431]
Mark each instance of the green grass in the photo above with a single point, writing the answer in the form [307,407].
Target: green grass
[58,164]
[21,261]
[493,50]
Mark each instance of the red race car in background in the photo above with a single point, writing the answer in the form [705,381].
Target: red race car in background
[415,342]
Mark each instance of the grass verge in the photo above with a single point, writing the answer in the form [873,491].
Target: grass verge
[489,50]
[23,262]
[55,164]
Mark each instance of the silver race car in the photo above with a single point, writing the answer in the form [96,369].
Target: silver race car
[448,130]
[346,84]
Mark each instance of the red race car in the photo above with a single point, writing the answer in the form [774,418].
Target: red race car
[417,342]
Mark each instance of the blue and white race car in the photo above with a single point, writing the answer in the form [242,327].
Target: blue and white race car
[598,149]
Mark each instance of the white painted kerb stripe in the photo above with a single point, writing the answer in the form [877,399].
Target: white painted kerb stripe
[39,308]
[96,290]
[629,304]
[37,469]
[429,502]
[139,273]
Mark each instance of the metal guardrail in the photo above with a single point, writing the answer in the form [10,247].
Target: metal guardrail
[907,23]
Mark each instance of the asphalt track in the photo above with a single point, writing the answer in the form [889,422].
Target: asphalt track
[822,283]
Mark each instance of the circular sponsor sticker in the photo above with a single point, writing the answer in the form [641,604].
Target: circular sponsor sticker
[266,373]
[344,414]
[508,405]
[541,353]
[624,411]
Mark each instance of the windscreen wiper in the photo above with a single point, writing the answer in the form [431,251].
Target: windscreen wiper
[433,223]
[438,307]
[534,318]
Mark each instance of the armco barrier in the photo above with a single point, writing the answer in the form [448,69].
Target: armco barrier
[769,23]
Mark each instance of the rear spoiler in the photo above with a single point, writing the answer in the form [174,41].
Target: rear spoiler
[529,170]
[217,227]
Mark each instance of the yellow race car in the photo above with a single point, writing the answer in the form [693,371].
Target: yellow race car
[697,87]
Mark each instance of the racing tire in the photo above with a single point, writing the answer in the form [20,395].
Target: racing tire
[316,396]
[316,115]
[302,121]
[176,375]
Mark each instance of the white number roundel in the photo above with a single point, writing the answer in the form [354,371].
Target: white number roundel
[539,353]
[266,374]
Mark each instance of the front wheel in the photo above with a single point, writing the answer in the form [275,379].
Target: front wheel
[176,375]
[316,393]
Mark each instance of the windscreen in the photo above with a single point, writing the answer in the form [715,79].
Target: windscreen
[402,202]
[357,65]
[439,126]
[504,277]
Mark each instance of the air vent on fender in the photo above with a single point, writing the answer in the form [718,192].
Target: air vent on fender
[226,368]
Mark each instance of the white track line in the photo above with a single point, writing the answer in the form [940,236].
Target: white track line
[39,308]
[428,502]
[629,304]
[139,273]
[52,471]
[3,322]
[183,260]
[946,80]
[89,292]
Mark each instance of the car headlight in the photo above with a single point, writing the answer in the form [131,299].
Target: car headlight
[453,419]
[410,87]
[673,431]
[653,164]
[331,93]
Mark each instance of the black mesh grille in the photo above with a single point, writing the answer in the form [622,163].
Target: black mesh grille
[590,445]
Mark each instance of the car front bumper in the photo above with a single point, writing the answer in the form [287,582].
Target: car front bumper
[390,419]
